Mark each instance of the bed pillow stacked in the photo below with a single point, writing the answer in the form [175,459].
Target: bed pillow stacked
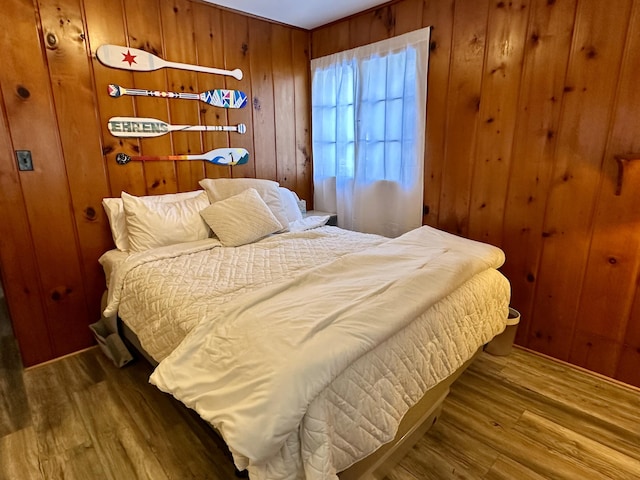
[142,223]
[249,210]
[244,210]
[220,189]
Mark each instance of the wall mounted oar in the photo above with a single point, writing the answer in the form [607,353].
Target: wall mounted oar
[140,61]
[218,156]
[152,127]
[218,97]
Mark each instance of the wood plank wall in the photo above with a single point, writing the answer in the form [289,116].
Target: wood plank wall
[55,104]
[528,103]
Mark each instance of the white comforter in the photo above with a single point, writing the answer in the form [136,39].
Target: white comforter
[161,294]
[261,363]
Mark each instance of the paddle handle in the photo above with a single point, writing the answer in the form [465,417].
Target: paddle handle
[118,91]
[237,73]
[240,128]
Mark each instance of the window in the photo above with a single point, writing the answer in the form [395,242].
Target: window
[369,109]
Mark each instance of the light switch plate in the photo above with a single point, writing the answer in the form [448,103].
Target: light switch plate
[24,160]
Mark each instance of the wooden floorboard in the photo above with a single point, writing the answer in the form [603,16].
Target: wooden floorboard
[542,419]
[14,414]
[518,417]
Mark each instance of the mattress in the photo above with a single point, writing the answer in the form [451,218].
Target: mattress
[165,294]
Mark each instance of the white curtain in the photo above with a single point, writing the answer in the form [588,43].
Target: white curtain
[368,117]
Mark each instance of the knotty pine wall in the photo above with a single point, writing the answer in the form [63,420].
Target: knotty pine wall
[53,94]
[528,103]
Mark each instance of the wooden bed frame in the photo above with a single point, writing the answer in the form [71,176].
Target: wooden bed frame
[415,423]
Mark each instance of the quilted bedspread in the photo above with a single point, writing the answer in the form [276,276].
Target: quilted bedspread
[161,294]
[310,374]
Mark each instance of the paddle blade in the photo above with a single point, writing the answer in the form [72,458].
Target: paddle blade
[224,98]
[229,156]
[114,90]
[137,127]
[127,58]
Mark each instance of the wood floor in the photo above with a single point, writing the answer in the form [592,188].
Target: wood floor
[516,417]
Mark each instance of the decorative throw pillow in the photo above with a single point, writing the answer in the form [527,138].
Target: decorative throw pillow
[241,219]
[223,188]
[152,224]
[114,209]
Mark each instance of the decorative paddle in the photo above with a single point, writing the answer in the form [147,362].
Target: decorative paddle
[218,97]
[140,61]
[152,127]
[218,156]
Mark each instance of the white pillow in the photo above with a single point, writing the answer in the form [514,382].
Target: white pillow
[115,213]
[223,188]
[241,219]
[153,223]
[290,204]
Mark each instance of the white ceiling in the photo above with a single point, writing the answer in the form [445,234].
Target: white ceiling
[300,13]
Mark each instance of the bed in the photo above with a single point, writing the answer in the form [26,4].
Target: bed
[313,351]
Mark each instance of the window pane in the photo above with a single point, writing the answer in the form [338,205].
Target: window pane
[396,75]
[394,120]
[393,161]
[375,122]
[379,129]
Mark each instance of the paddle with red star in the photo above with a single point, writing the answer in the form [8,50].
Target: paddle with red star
[138,60]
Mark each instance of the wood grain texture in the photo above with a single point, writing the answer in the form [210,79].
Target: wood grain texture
[615,240]
[463,106]
[302,93]
[284,104]
[55,104]
[72,84]
[506,37]
[33,126]
[235,30]
[207,27]
[408,16]
[523,416]
[178,38]
[330,39]
[572,245]
[144,31]
[19,455]
[260,71]
[528,103]
[549,35]
[578,159]
[438,14]
[107,26]
[19,264]
[501,422]
[14,409]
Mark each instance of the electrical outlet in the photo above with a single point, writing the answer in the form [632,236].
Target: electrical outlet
[24,160]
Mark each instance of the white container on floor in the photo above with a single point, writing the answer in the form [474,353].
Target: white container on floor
[502,344]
